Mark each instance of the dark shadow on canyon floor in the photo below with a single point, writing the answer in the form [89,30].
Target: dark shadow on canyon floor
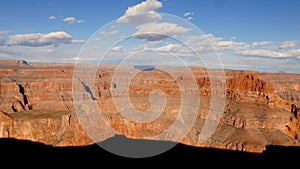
[15,150]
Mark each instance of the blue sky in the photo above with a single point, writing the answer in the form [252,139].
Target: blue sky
[247,34]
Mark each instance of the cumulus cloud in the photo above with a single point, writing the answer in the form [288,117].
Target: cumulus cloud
[159,31]
[38,39]
[262,43]
[232,45]
[201,40]
[176,48]
[143,12]
[71,20]
[261,53]
[189,15]
[211,37]
[76,41]
[289,44]
[167,48]
[52,17]
[271,54]
[286,49]
[96,38]
[117,49]
[204,43]
[47,50]
[80,21]
[294,53]
[146,45]
[113,32]
[201,46]
[211,42]
[189,18]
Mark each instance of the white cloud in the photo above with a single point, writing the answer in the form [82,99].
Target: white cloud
[76,41]
[38,39]
[156,46]
[113,32]
[260,53]
[262,43]
[52,17]
[211,37]
[209,42]
[39,54]
[167,48]
[230,45]
[117,49]
[269,53]
[144,12]
[96,38]
[46,50]
[71,20]
[289,44]
[188,14]
[294,53]
[56,37]
[80,21]
[202,40]
[159,31]
[146,46]
[26,40]
[189,18]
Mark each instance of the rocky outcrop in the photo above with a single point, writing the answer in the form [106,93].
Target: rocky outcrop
[36,103]
[249,82]
[291,96]
[295,110]
[55,128]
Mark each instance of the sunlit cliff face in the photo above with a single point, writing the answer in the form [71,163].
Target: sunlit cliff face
[261,109]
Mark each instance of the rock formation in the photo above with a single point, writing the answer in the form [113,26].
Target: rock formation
[36,103]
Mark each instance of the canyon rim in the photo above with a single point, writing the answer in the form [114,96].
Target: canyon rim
[36,104]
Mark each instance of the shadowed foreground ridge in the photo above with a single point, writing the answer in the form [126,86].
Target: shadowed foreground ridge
[36,104]
[93,154]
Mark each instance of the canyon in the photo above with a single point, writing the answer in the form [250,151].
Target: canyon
[37,104]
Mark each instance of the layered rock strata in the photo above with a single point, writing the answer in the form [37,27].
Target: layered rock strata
[36,103]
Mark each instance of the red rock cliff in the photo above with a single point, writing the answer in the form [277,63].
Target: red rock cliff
[36,104]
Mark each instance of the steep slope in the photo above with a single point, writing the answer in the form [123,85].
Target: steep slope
[36,104]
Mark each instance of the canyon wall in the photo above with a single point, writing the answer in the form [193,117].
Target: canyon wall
[36,103]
